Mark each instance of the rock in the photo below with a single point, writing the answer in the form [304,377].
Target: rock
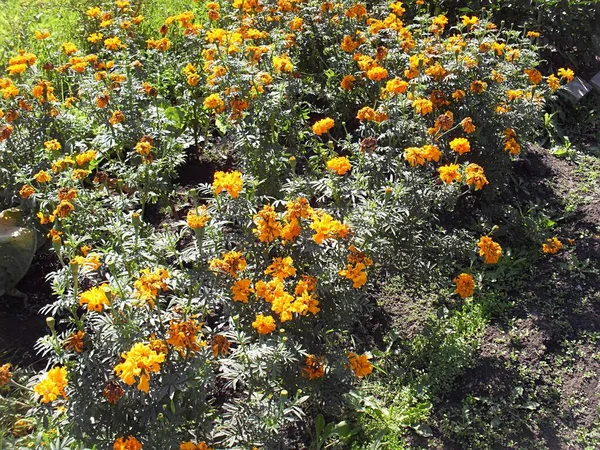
[576,89]
[595,82]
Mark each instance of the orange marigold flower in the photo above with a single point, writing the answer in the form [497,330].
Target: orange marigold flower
[450,173]
[116,117]
[228,181]
[553,82]
[323,126]
[314,367]
[340,165]
[475,176]
[214,103]
[534,76]
[198,218]
[281,268]
[268,227]
[184,335]
[130,443]
[27,191]
[467,125]
[192,446]
[75,341]
[241,290]
[264,324]
[465,285]
[460,145]
[458,95]
[282,64]
[5,374]
[113,392]
[552,246]
[95,298]
[478,86]
[52,385]
[64,209]
[326,227]
[219,345]
[356,274]
[232,263]
[347,82]
[151,284]
[360,364]
[377,73]
[422,106]
[490,250]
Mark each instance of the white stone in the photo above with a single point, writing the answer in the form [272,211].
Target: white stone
[576,89]
[596,81]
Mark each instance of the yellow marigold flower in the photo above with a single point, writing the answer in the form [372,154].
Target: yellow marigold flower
[268,227]
[513,54]
[296,23]
[219,345]
[356,11]
[52,385]
[281,268]
[228,181]
[534,76]
[323,126]
[360,364]
[85,157]
[264,324]
[198,217]
[314,367]
[475,176]
[232,263]
[67,194]
[450,173]
[94,38]
[396,86]
[95,298]
[512,146]
[140,362]
[215,103]
[553,82]
[340,165]
[460,145]
[42,34]
[113,43]
[193,79]
[184,335]
[422,106]
[52,145]
[326,227]
[241,290]
[552,246]
[151,284]
[490,250]
[27,191]
[377,73]
[533,34]
[75,341]
[68,48]
[347,82]
[192,446]
[567,74]
[5,374]
[478,86]
[130,443]
[465,285]
[469,21]
[467,125]
[282,64]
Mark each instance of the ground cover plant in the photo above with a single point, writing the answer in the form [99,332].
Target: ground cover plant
[236,195]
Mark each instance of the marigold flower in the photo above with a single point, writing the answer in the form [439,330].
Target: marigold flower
[95,298]
[478,86]
[198,218]
[475,176]
[553,82]
[567,74]
[533,34]
[552,246]
[465,285]
[241,290]
[5,374]
[281,268]
[5,132]
[140,362]
[113,392]
[232,263]
[264,324]
[52,145]
[314,367]
[214,103]
[64,209]
[268,227]
[377,73]
[42,34]
[469,21]
[27,191]
[116,117]
[458,95]
[348,44]
[356,274]
[219,345]
[75,341]
[52,385]
[450,173]
[467,125]
[326,227]
[422,106]
[490,250]
[340,165]
[347,82]
[460,145]
[282,64]
[151,284]
[192,446]
[113,43]
[360,364]
[534,76]
[184,335]
[130,443]
[228,181]
[323,126]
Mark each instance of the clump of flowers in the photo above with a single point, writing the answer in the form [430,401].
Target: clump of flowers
[228,181]
[53,385]
[151,284]
[552,246]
